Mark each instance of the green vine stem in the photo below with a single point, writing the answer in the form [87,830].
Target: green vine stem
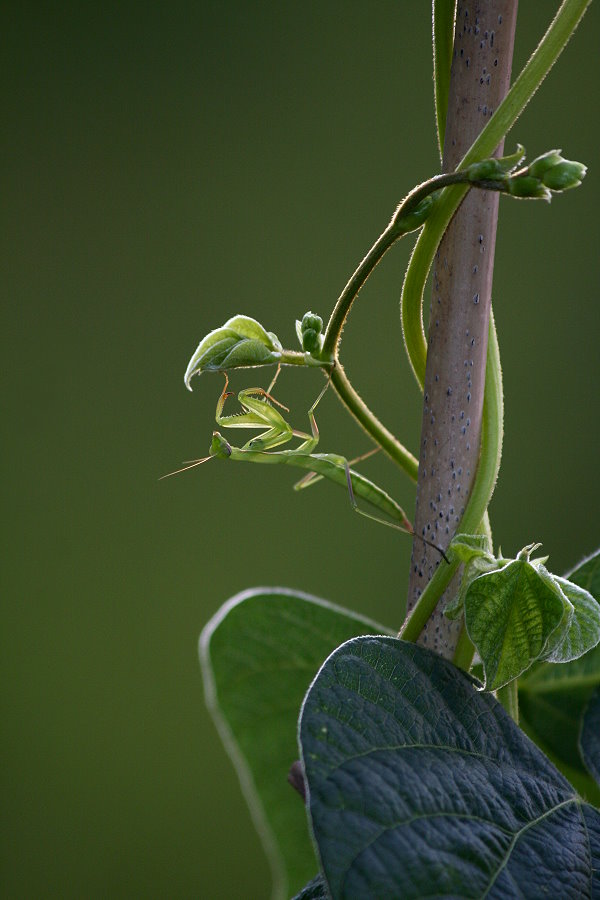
[297,358]
[508,696]
[556,37]
[547,52]
[550,47]
[409,215]
[371,424]
[443,39]
[465,651]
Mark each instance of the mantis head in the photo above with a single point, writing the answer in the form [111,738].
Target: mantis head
[219,446]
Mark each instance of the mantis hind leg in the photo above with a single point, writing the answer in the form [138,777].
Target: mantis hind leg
[313,477]
[406,527]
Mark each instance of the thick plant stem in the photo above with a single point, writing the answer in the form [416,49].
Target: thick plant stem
[508,696]
[474,515]
[460,307]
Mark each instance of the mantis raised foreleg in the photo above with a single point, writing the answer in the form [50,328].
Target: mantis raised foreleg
[257,412]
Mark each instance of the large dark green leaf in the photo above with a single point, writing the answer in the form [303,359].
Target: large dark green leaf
[422,786]
[259,654]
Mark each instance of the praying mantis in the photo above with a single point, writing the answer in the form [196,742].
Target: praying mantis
[259,412]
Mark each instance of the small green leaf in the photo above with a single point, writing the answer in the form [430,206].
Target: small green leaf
[259,654]
[510,616]
[467,546]
[583,632]
[553,697]
[589,740]
[421,786]
[472,550]
[240,342]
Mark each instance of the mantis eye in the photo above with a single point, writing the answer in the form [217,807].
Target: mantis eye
[219,446]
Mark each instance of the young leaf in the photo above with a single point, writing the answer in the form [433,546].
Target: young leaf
[421,786]
[259,654]
[511,615]
[240,342]
[553,698]
[589,740]
[472,550]
[583,632]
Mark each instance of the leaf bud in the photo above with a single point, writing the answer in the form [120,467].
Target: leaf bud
[529,187]
[542,163]
[309,333]
[313,321]
[495,168]
[565,175]
[416,217]
[486,170]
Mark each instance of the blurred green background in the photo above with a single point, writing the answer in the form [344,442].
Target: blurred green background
[167,166]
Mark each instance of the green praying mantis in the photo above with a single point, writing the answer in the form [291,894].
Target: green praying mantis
[259,412]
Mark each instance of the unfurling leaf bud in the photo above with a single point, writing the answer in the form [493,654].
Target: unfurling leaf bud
[494,169]
[415,218]
[309,332]
[549,172]
[312,320]
[565,175]
[486,170]
[542,163]
[557,173]
[310,341]
[239,343]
